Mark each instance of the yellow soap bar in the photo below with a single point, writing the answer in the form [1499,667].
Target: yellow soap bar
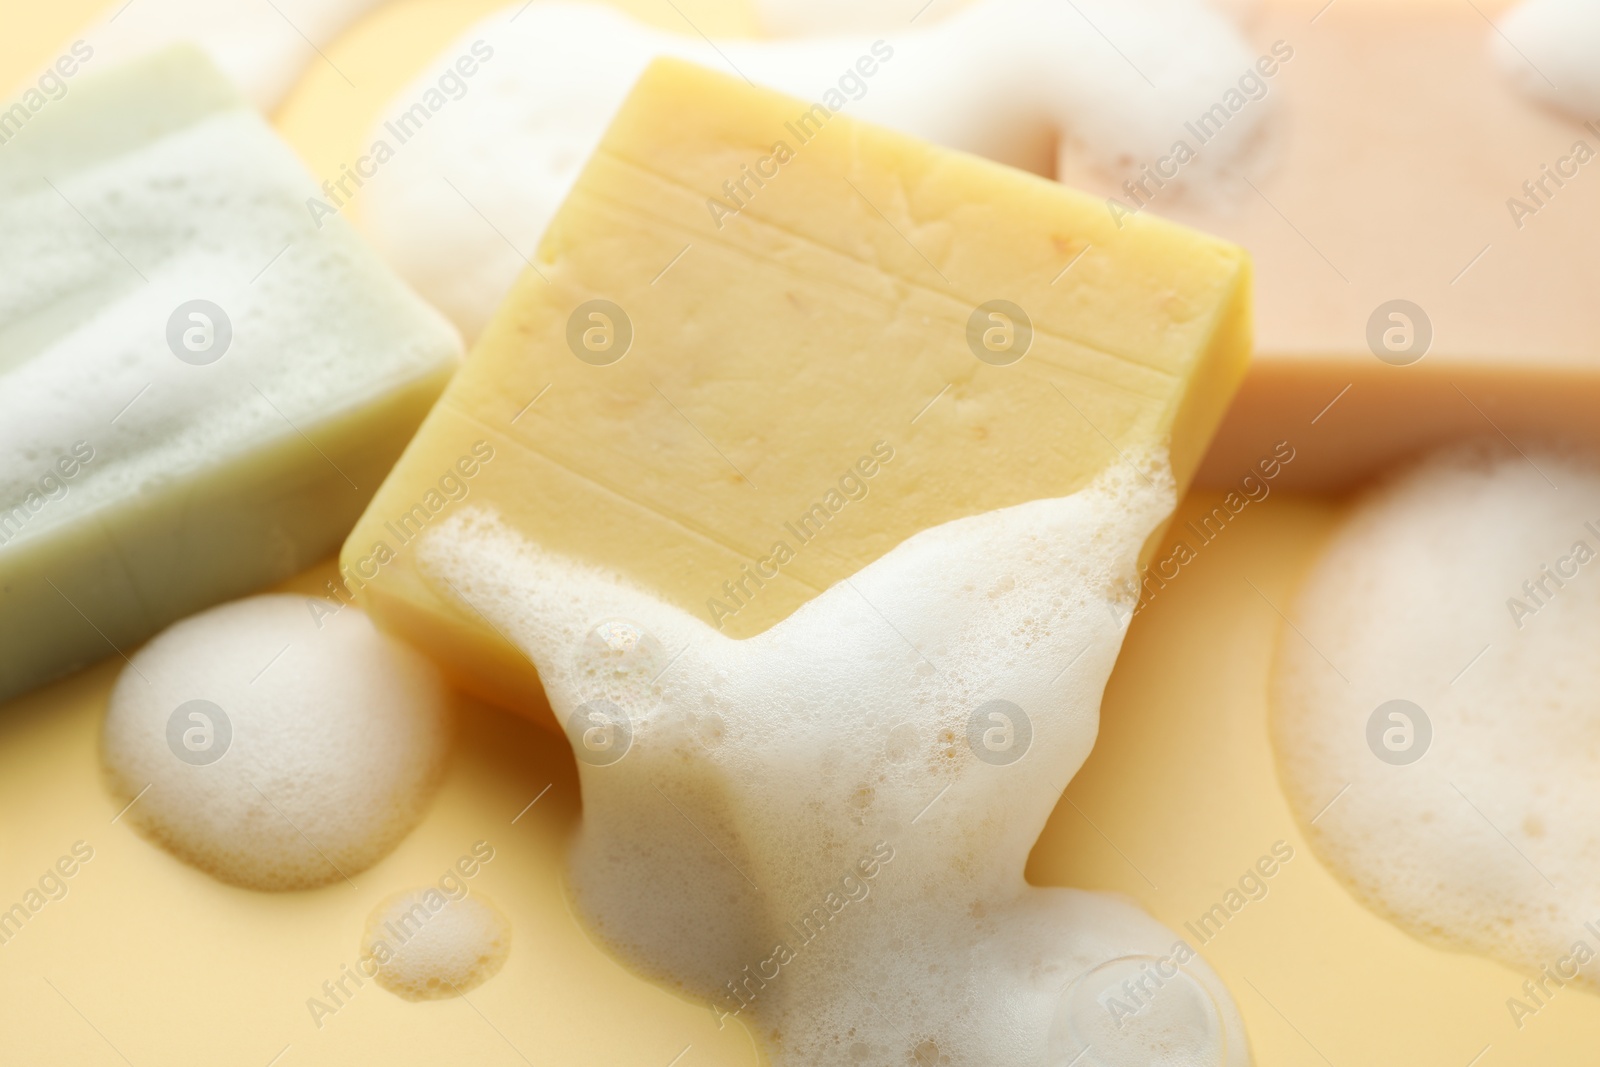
[761,344]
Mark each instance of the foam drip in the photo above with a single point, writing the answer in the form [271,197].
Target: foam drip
[821,830]
[1457,586]
[274,749]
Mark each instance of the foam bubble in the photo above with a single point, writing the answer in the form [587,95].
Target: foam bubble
[1024,82]
[428,947]
[814,829]
[1462,740]
[1551,50]
[1175,1016]
[279,751]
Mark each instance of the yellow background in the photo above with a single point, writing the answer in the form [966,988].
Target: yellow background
[149,962]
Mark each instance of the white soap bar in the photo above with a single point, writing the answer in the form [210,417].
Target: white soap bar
[199,388]
[464,186]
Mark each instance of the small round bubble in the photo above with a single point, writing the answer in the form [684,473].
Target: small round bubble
[426,946]
[623,661]
[1138,1009]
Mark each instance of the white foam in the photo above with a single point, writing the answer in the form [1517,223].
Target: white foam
[1024,82]
[821,18]
[97,259]
[814,18]
[826,820]
[262,46]
[1551,50]
[1490,841]
[428,947]
[329,742]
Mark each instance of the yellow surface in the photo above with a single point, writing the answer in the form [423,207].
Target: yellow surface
[175,969]
[1182,784]
[774,349]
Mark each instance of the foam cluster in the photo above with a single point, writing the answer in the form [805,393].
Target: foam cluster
[429,947]
[1434,712]
[1025,82]
[1551,50]
[821,831]
[277,747]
